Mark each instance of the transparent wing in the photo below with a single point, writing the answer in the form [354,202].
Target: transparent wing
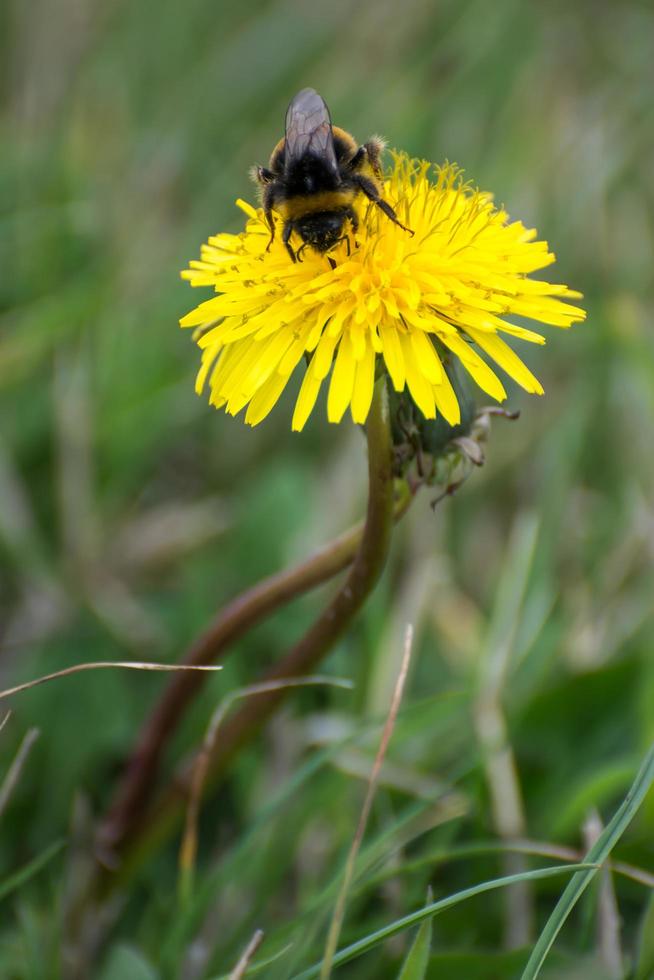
[309,129]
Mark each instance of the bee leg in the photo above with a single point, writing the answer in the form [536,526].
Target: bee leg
[264,176]
[370,151]
[286,235]
[354,221]
[267,203]
[374,149]
[271,225]
[343,238]
[369,188]
[358,158]
[390,213]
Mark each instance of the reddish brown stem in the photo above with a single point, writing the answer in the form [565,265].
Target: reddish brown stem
[244,612]
[307,653]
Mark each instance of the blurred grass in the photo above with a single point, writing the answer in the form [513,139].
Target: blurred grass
[127,132]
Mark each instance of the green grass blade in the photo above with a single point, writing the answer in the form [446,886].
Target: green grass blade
[417,960]
[415,918]
[28,871]
[645,955]
[596,856]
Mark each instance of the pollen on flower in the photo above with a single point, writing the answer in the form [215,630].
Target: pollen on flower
[392,301]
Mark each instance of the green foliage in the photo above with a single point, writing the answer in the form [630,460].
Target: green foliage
[369,942]
[645,954]
[130,511]
[19,878]
[597,854]
[417,959]
[125,963]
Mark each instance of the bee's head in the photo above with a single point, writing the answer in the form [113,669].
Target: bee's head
[322,229]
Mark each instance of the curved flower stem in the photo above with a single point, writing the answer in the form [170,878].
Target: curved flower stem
[373,543]
[214,644]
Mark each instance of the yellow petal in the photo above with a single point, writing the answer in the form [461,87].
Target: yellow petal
[522,333]
[508,360]
[475,365]
[229,368]
[421,390]
[321,361]
[393,357]
[294,353]
[254,369]
[446,401]
[265,399]
[342,382]
[306,400]
[247,208]
[426,357]
[208,360]
[364,383]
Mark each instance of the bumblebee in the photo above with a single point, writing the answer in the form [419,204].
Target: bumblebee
[315,174]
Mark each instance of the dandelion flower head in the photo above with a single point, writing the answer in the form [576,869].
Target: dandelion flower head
[396,302]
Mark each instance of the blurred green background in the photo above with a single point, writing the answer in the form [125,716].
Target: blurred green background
[130,510]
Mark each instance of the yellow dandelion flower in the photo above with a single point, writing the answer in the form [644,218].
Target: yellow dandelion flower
[388,302]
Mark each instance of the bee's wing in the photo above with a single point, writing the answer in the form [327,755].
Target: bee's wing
[309,129]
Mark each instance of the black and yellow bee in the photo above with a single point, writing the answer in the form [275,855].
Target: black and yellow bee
[315,174]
